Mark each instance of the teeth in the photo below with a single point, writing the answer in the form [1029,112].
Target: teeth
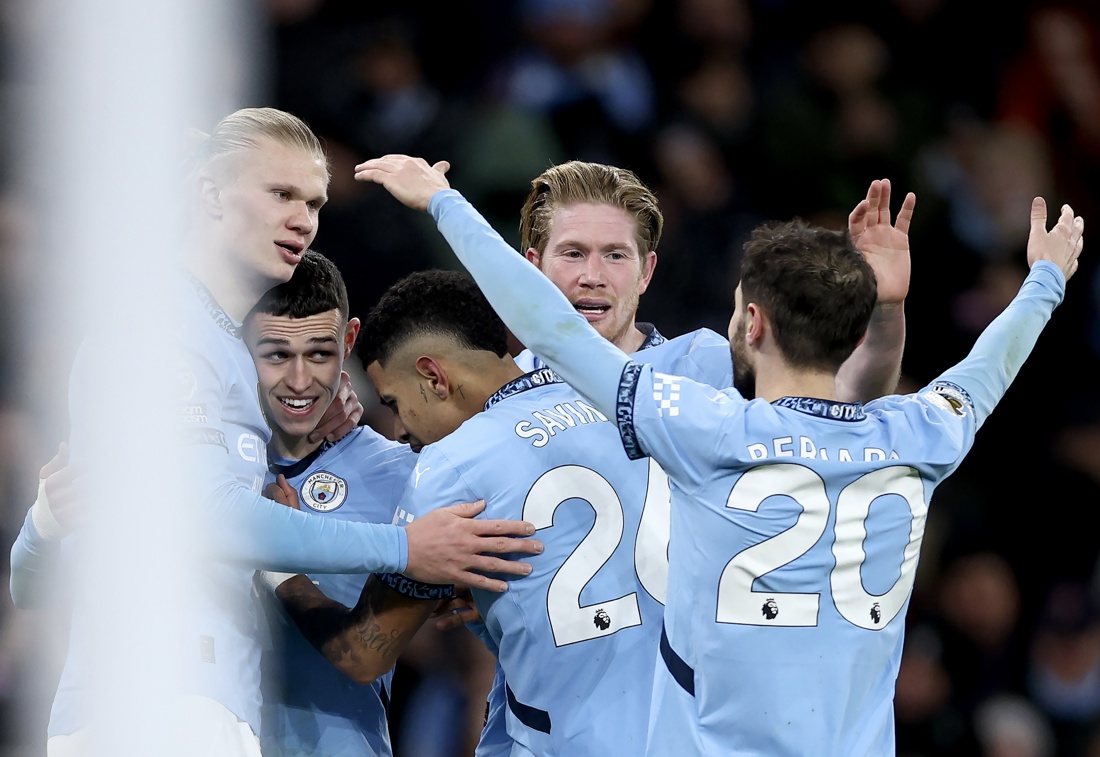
[297,404]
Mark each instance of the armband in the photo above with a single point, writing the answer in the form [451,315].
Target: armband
[407,587]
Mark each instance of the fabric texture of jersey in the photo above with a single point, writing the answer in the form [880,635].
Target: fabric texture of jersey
[310,708]
[575,638]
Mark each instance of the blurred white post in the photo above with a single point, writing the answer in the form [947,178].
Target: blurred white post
[115,85]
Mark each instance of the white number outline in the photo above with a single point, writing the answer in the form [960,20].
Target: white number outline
[570,621]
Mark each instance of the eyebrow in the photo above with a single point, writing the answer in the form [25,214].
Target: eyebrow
[577,244]
[283,340]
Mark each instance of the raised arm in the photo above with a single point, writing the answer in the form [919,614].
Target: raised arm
[536,312]
[874,368]
[999,353]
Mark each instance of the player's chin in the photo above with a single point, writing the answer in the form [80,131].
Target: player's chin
[297,426]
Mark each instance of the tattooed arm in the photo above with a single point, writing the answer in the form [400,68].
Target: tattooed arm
[363,642]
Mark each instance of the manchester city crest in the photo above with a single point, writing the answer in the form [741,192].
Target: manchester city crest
[324,492]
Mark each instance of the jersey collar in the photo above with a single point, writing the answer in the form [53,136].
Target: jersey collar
[536,378]
[653,337]
[213,309]
[836,411]
[290,469]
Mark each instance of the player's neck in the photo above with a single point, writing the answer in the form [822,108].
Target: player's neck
[481,379]
[234,293]
[287,447]
[777,380]
[631,341]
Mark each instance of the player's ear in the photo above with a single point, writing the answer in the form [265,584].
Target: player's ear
[649,265]
[757,324]
[351,333]
[210,196]
[438,382]
[534,256]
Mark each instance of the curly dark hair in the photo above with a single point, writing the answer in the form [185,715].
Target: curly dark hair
[436,301]
[316,287]
[814,285]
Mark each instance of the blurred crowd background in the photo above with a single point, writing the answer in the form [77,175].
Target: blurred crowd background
[735,112]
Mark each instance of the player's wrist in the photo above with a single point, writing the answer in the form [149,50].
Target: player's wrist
[45,522]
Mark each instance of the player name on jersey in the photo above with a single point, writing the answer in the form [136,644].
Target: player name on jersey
[548,422]
[804,446]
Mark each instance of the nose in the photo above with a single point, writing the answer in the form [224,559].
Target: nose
[399,432]
[297,378]
[592,273]
[303,220]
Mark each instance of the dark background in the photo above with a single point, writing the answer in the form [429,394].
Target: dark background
[738,111]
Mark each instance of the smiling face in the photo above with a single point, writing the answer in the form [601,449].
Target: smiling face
[268,198]
[298,362]
[592,256]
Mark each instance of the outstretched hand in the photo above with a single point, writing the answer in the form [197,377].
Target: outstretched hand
[447,546]
[410,180]
[885,246]
[1061,245]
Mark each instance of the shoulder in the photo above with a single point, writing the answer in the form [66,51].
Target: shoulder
[364,443]
[701,355]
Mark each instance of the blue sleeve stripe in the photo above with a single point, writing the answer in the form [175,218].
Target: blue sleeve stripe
[624,410]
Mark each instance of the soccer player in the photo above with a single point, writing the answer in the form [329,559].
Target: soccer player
[577,638]
[593,230]
[797,517]
[258,186]
[299,335]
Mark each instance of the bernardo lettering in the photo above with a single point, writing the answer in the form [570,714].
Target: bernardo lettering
[803,446]
[550,421]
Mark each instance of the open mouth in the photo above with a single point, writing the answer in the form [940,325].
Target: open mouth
[298,405]
[293,251]
[591,309]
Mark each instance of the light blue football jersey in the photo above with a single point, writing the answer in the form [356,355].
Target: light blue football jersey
[704,356]
[576,637]
[310,708]
[796,525]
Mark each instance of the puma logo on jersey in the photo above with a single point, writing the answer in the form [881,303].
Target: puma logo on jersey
[418,473]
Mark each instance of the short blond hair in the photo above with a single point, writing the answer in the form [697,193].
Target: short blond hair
[246,128]
[580,182]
